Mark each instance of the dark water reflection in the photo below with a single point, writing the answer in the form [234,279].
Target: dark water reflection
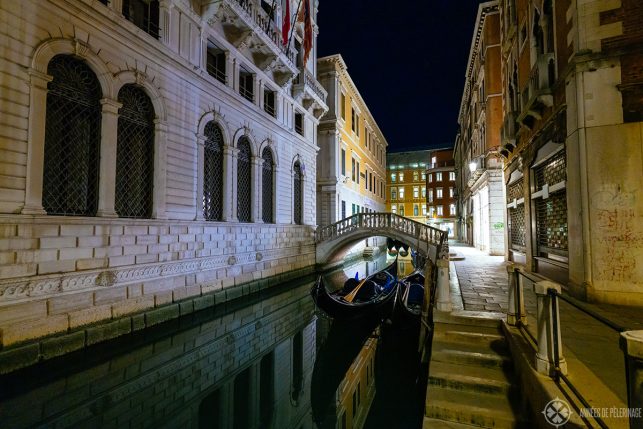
[245,364]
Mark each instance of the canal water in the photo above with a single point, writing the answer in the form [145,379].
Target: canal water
[271,360]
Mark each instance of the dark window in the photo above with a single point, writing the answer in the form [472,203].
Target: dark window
[267,186]
[343,209]
[297,194]
[72,139]
[210,411]
[144,14]
[246,85]
[297,386]
[213,173]
[269,102]
[632,103]
[241,418]
[267,390]
[216,63]
[343,106]
[299,123]
[353,119]
[353,169]
[135,154]
[343,162]
[244,188]
[358,173]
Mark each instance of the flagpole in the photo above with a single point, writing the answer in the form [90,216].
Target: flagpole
[292,27]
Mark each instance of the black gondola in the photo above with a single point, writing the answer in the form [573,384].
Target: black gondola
[372,296]
[410,295]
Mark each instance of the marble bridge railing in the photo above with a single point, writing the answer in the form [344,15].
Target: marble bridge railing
[416,232]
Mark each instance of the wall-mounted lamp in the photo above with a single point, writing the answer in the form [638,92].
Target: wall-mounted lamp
[472,166]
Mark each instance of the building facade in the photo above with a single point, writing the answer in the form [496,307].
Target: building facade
[477,145]
[406,184]
[151,151]
[351,164]
[573,112]
[441,193]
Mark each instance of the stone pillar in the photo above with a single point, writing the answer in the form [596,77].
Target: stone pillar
[229,184]
[230,70]
[255,214]
[632,346]
[160,168]
[200,148]
[516,306]
[108,145]
[165,21]
[234,76]
[258,88]
[36,142]
[278,216]
[443,290]
[545,362]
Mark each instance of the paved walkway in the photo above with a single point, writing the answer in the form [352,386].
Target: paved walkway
[595,361]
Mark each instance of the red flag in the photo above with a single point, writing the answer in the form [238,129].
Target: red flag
[285,28]
[308,30]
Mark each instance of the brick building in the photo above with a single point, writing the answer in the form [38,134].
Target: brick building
[479,184]
[572,142]
[441,195]
[151,151]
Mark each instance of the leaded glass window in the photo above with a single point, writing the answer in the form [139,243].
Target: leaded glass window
[267,186]
[244,176]
[213,172]
[297,194]
[72,139]
[135,154]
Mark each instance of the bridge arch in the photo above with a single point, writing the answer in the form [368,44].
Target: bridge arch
[334,241]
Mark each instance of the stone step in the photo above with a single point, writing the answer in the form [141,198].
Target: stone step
[456,335]
[469,378]
[470,318]
[430,423]
[489,411]
[483,358]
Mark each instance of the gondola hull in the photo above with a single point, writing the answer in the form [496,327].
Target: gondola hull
[379,304]
[408,305]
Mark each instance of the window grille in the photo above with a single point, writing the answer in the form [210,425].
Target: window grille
[517,227]
[267,186]
[72,139]
[297,194]
[135,154]
[244,177]
[216,63]
[551,213]
[246,87]
[144,14]
[213,173]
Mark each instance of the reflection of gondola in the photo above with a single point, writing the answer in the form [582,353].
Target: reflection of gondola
[342,346]
[370,296]
[410,295]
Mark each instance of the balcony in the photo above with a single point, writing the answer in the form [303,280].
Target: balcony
[310,93]
[249,28]
[538,93]
[508,133]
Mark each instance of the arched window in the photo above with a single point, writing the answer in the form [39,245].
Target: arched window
[297,194]
[267,186]
[213,173]
[135,154]
[72,139]
[244,177]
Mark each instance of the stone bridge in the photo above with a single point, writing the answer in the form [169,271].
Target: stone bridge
[334,241]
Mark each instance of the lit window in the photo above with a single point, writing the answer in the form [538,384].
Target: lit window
[392,177]
[430,177]
[416,192]
[394,209]
[401,210]
[452,209]
[401,177]
[430,195]
[416,210]
[434,161]
[450,192]
[423,192]
[440,211]
[423,175]
[438,193]
[416,176]
[423,210]
[431,211]
[393,194]
[452,176]
[401,192]
[438,177]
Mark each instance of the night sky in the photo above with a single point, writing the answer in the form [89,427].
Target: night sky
[408,61]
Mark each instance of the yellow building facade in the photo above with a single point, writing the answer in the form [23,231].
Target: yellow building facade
[351,164]
[406,184]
